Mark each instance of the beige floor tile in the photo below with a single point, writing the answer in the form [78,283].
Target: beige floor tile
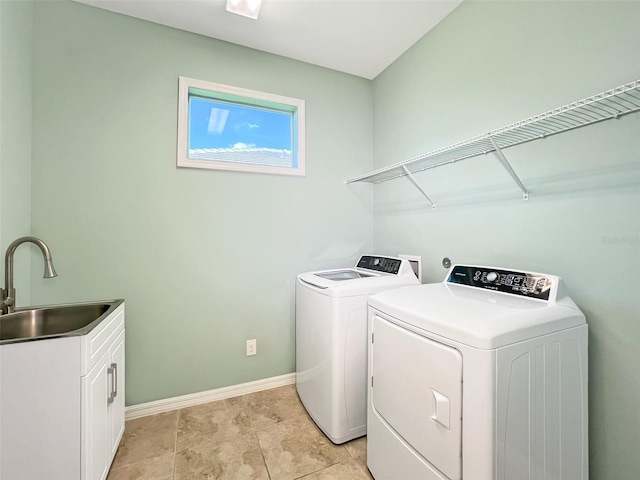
[358,450]
[348,470]
[158,468]
[146,438]
[273,406]
[260,436]
[212,421]
[234,458]
[295,447]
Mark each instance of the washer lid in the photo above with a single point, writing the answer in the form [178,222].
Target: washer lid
[342,275]
[372,274]
[477,317]
[352,282]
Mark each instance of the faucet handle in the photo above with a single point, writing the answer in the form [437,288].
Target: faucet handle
[8,300]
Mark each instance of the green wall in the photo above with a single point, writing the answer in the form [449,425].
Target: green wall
[16,20]
[205,259]
[485,66]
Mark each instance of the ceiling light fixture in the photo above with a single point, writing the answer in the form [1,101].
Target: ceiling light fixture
[246,8]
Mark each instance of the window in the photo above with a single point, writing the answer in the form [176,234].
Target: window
[230,128]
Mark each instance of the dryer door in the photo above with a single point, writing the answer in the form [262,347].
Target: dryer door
[417,389]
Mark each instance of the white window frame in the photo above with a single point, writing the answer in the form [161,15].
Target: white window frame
[250,98]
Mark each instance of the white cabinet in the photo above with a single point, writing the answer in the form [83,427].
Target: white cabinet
[103,404]
[62,404]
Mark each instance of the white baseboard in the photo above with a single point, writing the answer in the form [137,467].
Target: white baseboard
[168,404]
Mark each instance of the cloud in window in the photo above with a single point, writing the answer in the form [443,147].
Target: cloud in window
[242,146]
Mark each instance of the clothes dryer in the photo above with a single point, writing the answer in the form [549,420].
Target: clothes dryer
[331,340]
[481,377]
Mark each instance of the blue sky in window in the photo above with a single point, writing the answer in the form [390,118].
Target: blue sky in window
[214,124]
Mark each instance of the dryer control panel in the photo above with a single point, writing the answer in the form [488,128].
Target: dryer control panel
[380,264]
[525,284]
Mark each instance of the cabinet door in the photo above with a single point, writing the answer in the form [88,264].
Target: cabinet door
[116,407]
[95,432]
[40,402]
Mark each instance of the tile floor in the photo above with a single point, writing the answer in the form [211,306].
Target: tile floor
[265,435]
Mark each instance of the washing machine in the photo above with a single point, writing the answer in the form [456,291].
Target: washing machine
[331,340]
[480,377]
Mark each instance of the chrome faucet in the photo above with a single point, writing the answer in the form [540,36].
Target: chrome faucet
[8,302]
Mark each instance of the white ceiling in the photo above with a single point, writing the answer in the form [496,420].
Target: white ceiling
[360,37]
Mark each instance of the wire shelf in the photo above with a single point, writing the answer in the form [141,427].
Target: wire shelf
[604,106]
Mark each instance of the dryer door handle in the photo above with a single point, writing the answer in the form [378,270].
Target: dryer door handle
[440,409]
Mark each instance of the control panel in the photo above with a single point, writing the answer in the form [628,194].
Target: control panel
[380,264]
[506,281]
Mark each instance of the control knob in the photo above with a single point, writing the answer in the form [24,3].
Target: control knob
[492,277]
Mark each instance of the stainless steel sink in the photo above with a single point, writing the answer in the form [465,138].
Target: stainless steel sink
[35,323]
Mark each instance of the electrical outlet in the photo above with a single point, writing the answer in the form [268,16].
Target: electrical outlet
[252,347]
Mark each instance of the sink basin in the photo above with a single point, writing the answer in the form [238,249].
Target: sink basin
[35,323]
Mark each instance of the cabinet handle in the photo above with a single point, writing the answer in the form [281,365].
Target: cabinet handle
[113,371]
[115,379]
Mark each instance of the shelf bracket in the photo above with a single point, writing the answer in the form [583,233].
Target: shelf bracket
[507,166]
[417,185]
